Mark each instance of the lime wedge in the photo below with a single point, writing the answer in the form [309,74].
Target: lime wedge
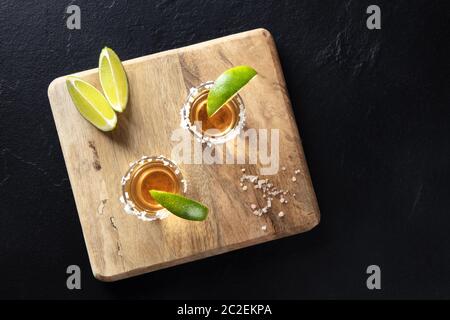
[91,104]
[113,79]
[180,206]
[227,85]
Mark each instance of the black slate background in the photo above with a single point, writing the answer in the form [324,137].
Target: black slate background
[372,109]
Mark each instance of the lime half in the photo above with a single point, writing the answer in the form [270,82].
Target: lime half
[113,79]
[227,86]
[91,104]
[180,206]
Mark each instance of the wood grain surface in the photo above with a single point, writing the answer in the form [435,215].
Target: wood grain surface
[121,246]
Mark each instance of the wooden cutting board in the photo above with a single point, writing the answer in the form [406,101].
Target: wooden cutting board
[120,245]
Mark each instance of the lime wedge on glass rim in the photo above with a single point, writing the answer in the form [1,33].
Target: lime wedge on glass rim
[227,85]
[180,206]
[113,79]
[91,104]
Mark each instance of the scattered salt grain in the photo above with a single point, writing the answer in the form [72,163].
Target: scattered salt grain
[268,191]
[281,214]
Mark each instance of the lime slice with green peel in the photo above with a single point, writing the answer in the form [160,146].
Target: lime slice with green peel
[91,104]
[113,79]
[180,206]
[227,86]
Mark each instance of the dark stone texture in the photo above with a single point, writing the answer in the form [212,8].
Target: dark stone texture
[372,109]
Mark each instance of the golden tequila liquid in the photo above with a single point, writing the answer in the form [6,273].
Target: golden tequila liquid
[224,125]
[221,122]
[149,173]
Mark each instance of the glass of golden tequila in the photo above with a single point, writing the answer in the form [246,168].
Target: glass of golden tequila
[223,126]
[145,174]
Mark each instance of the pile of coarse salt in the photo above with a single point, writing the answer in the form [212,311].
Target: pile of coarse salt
[269,191]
